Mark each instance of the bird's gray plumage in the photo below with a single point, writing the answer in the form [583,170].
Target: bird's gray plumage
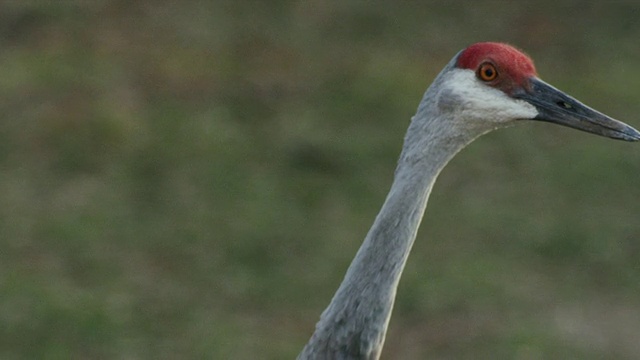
[457,108]
[354,324]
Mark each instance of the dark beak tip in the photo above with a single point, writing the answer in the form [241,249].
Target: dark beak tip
[635,136]
[630,134]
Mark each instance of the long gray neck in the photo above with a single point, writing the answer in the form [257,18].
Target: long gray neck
[354,324]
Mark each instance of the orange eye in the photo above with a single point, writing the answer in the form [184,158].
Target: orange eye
[487,72]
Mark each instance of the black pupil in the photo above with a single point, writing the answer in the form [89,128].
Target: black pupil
[488,72]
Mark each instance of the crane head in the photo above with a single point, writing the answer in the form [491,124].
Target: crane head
[491,85]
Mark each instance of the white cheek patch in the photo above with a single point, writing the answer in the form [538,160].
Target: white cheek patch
[472,101]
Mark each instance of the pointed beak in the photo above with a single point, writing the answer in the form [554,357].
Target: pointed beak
[557,107]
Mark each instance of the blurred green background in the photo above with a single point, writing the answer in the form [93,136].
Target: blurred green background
[192,179]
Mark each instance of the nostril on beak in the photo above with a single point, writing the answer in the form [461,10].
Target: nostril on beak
[565,105]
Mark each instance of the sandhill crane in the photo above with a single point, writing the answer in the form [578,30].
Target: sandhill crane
[484,87]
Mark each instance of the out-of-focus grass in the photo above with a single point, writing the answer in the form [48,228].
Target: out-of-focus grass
[188,180]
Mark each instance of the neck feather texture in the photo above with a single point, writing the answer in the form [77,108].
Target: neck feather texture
[354,324]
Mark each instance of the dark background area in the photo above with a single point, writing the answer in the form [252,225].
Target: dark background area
[191,179]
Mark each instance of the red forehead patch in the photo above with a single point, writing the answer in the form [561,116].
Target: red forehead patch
[509,61]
